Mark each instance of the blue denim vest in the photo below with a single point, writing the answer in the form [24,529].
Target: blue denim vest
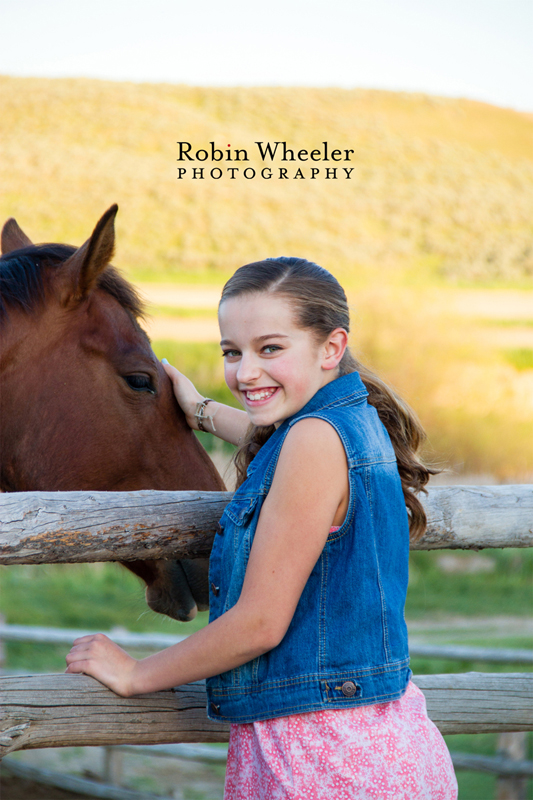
[347,642]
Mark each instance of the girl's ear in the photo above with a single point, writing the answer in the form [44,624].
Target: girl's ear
[334,348]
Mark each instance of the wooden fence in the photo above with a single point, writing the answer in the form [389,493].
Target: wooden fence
[61,710]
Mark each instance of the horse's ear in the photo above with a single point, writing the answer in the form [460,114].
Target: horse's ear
[80,272]
[13,237]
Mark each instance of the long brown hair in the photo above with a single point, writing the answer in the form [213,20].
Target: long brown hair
[320,305]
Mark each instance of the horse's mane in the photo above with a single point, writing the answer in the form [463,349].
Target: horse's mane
[23,275]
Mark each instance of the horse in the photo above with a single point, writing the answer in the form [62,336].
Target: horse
[84,402]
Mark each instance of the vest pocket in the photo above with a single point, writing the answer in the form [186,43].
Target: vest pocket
[238,534]
[240,510]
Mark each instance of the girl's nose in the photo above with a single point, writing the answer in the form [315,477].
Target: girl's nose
[248,370]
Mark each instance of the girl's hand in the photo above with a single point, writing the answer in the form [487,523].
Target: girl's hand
[185,391]
[98,656]
[231,423]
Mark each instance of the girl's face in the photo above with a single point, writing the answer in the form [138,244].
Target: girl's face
[272,366]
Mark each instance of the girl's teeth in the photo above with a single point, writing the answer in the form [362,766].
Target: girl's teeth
[258,395]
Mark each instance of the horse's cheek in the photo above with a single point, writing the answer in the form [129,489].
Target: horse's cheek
[197,574]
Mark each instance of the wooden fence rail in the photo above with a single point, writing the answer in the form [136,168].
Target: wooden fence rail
[495,765]
[66,710]
[158,641]
[506,769]
[60,527]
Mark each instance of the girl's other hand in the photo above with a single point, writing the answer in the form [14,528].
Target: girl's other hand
[98,656]
[185,391]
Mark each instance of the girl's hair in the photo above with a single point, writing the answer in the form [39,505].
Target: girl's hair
[320,306]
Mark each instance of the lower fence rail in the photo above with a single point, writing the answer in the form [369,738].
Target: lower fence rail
[74,784]
[496,765]
[61,710]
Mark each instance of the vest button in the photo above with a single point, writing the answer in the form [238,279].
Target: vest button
[215,709]
[348,688]
[215,589]
[219,529]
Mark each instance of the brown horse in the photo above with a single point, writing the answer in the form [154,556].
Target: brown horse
[84,402]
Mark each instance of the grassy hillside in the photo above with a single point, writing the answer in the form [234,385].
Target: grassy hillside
[441,197]
[441,187]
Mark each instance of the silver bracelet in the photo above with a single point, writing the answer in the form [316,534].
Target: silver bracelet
[200,416]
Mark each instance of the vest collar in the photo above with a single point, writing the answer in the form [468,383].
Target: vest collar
[342,391]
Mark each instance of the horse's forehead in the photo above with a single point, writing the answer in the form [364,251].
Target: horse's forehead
[113,325]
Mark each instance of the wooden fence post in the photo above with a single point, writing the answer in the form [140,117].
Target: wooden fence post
[513,746]
[113,766]
[2,646]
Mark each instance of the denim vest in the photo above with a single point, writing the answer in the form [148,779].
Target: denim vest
[347,642]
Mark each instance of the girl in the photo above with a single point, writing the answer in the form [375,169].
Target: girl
[306,650]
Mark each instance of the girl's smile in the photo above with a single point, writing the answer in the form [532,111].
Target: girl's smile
[258,396]
[272,366]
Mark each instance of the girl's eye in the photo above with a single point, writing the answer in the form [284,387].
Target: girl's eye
[230,353]
[271,348]
[140,383]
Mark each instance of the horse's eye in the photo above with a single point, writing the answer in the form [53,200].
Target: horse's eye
[140,383]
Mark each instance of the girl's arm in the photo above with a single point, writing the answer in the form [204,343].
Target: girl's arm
[309,494]
[231,424]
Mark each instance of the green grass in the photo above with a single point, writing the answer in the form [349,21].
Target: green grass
[479,785]
[506,590]
[440,666]
[506,323]
[80,596]
[520,357]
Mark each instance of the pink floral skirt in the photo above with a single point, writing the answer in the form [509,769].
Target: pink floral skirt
[390,751]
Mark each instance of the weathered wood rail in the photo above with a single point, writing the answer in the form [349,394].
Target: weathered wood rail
[158,641]
[70,527]
[65,710]
[61,527]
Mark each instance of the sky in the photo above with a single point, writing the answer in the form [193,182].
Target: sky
[479,49]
